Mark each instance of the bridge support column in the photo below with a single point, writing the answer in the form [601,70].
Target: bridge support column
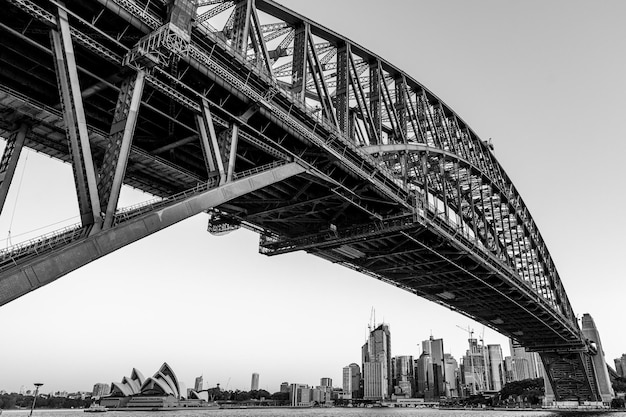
[75,122]
[569,376]
[10,157]
[601,371]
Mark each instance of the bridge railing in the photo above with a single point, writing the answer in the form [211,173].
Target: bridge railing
[137,210]
[19,252]
[10,256]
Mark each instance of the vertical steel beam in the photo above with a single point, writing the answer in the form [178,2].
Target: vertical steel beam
[401,106]
[232,159]
[424,166]
[118,148]
[473,208]
[75,122]
[241,23]
[342,92]
[375,108]
[299,63]
[444,189]
[209,141]
[10,157]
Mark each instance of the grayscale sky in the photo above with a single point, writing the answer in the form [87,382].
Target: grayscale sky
[544,80]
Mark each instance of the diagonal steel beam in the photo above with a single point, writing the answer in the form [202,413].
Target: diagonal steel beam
[48,267]
[10,157]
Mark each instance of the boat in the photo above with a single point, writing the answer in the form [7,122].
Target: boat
[96,408]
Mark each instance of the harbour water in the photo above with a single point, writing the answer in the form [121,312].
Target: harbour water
[317,412]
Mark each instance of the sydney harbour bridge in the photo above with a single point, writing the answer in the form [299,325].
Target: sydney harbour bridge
[267,120]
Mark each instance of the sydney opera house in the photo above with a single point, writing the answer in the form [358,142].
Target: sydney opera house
[160,391]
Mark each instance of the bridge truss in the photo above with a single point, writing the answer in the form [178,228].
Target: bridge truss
[267,120]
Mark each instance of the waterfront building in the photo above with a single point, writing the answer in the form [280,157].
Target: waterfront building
[254,385]
[451,376]
[495,367]
[351,381]
[508,368]
[326,383]
[474,369]
[376,355]
[321,395]
[160,391]
[284,387]
[436,382]
[525,365]
[198,384]
[100,390]
[300,395]
[422,367]
[403,376]
[620,365]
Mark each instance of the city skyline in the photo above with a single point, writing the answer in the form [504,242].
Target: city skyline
[199,381]
[544,82]
[375,351]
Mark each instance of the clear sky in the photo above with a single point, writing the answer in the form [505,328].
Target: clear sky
[545,80]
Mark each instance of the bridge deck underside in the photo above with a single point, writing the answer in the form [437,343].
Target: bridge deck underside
[417,260]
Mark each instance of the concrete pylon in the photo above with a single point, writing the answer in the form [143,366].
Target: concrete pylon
[599,363]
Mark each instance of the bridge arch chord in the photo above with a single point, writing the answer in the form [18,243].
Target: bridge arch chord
[463,193]
[374,104]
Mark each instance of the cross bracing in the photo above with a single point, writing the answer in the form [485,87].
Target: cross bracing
[396,185]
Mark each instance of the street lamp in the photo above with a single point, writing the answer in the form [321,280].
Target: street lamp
[37,385]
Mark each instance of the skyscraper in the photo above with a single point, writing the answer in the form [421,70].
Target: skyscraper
[435,372]
[351,381]
[475,368]
[620,365]
[525,365]
[451,375]
[508,366]
[100,390]
[254,386]
[376,354]
[422,367]
[403,376]
[496,367]
[198,385]
[326,382]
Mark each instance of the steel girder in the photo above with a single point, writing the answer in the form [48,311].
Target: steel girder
[43,261]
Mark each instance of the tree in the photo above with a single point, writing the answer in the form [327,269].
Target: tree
[529,390]
[619,385]
[282,397]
